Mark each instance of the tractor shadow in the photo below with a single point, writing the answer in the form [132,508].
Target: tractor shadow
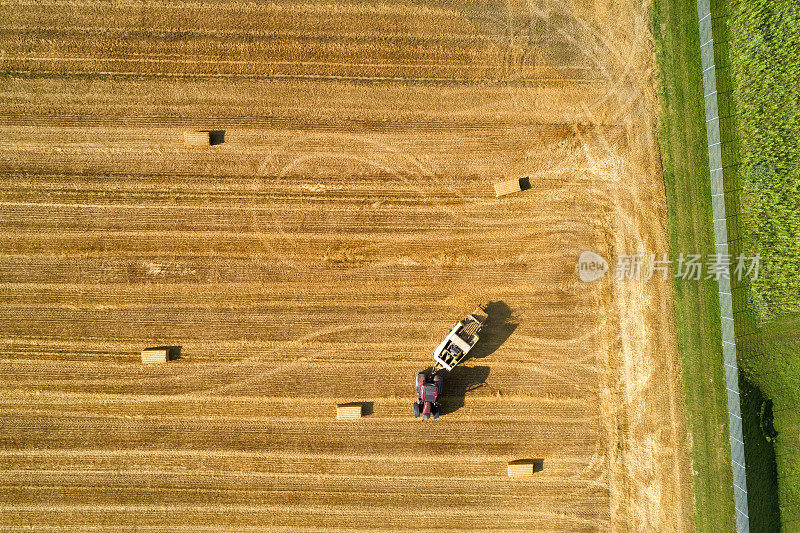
[457,383]
[495,332]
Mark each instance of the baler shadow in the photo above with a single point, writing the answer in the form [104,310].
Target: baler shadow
[495,332]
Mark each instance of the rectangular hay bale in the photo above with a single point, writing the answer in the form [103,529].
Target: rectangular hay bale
[507,187]
[155,355]
[523,467]
[348,411]
[197,138]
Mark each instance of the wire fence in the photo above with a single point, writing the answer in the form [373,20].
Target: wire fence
[725,227]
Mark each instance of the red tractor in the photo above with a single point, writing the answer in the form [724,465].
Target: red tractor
[428,391]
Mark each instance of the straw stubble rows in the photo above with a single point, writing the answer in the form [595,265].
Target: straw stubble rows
[318,255]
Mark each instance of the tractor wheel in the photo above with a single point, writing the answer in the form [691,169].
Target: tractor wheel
[420,378]
[435,412]
[416,410]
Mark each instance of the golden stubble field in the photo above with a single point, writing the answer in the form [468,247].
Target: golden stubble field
[318,255]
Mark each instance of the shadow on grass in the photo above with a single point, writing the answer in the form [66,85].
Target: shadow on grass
[762,471]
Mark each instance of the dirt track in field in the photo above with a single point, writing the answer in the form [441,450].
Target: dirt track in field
[318,255]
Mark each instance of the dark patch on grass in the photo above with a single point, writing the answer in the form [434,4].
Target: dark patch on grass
[762,470]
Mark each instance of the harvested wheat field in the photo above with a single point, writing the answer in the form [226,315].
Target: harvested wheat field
[317,252]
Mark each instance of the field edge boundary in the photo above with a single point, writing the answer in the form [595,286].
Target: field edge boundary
[716,171]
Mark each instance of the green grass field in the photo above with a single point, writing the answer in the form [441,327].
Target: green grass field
[682,139]
[762,482]
[771,361]
[758,46]
[762,47]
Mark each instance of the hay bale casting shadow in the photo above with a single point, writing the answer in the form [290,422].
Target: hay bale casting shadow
[525,467]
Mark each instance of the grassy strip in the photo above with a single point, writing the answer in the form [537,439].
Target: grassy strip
[682,139]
